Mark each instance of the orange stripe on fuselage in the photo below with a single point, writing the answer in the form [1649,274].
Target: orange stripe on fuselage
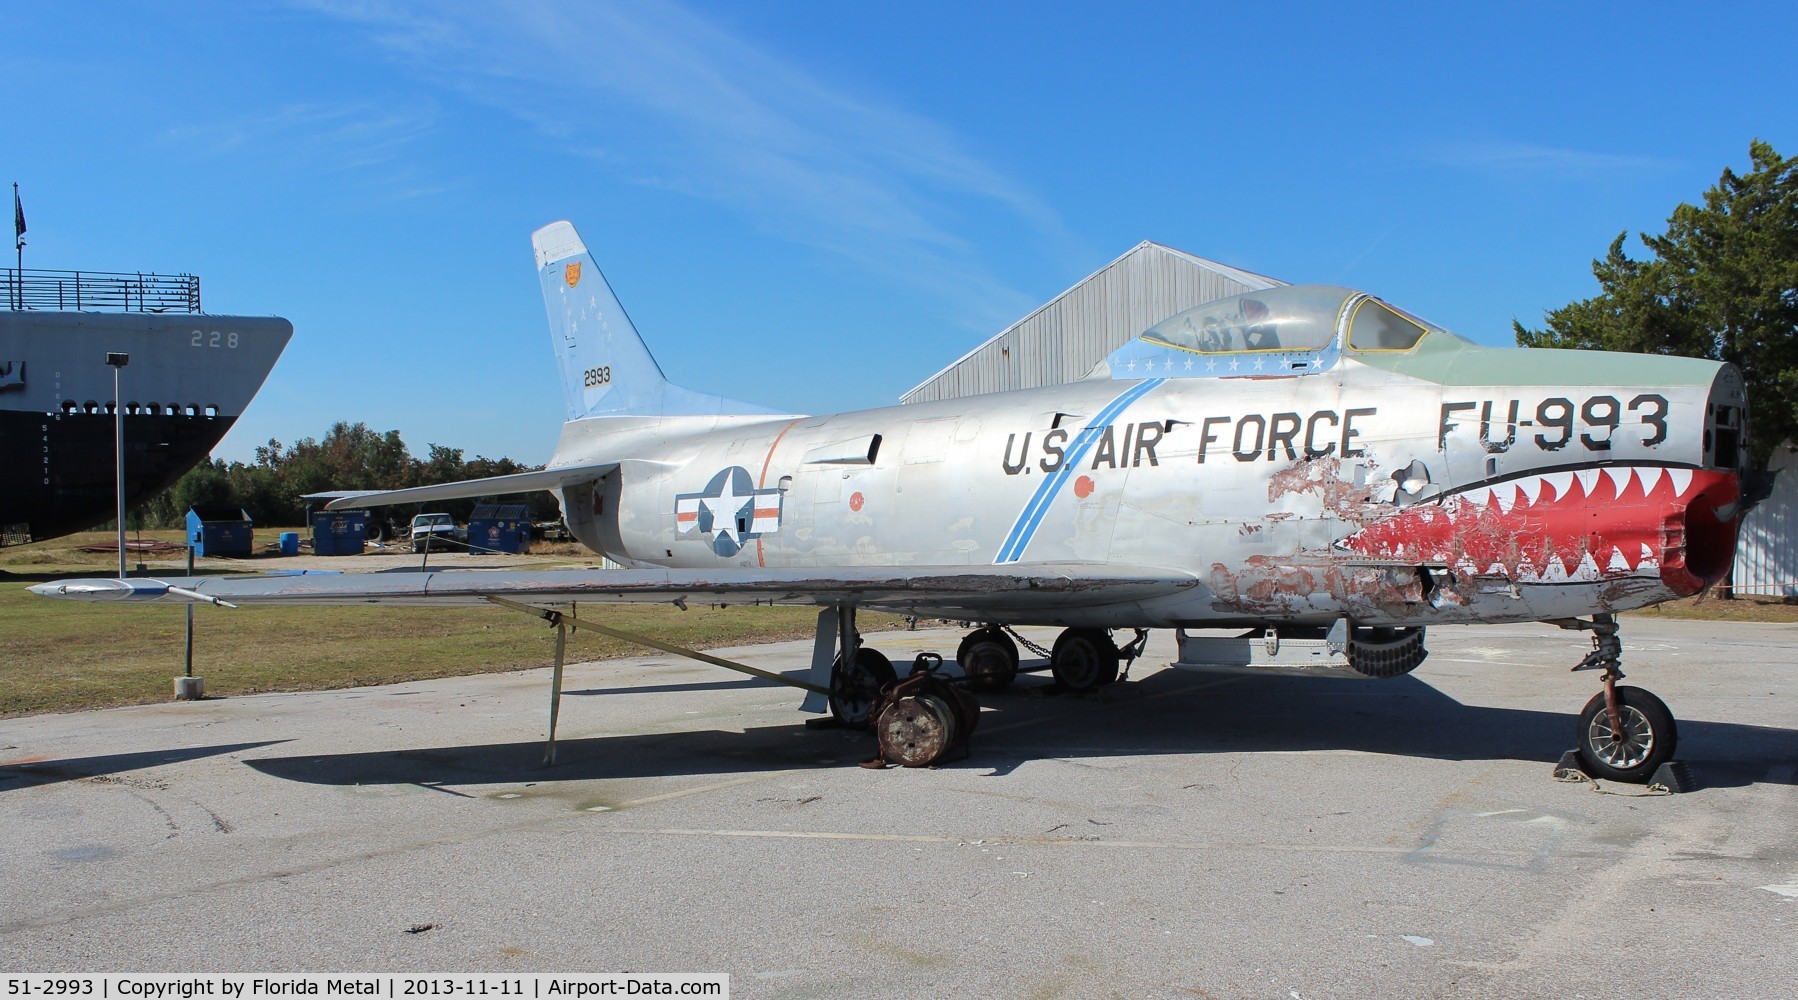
[762,482]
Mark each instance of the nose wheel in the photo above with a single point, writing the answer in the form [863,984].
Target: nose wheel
[1629,741]
[1624,733]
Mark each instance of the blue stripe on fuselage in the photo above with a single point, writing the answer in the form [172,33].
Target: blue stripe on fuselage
[1032,514]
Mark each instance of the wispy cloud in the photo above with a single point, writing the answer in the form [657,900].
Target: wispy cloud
[668,99]
[1371,247]
[374,142]
[1521,157]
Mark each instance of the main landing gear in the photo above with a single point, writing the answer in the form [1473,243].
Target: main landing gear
[989,659]
[855,688]
[1624,733]
[1082,659]
[1086,658]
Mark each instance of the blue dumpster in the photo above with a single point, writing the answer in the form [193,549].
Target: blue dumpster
[499,527]
[221,531]
[339,532]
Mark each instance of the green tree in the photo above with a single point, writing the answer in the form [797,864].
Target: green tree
[1722,284]
[350,457]
[206,483]
[443,465]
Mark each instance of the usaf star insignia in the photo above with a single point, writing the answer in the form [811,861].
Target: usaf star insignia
[730,509]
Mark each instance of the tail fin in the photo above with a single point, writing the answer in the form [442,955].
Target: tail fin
[606,368]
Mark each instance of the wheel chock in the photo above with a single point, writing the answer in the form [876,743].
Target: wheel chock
[1569,768]
[1674,776]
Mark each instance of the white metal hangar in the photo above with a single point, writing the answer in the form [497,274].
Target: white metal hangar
[1068,335]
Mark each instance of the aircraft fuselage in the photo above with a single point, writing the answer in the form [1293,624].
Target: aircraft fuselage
[1396,493]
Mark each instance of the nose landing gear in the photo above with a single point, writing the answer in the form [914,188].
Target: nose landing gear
[1624,733]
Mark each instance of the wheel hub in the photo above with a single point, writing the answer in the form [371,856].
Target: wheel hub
[1636,744]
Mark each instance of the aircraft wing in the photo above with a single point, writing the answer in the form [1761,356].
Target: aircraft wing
[519,482]
[948,591]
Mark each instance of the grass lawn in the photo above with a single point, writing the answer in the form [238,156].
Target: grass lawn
[1713,608]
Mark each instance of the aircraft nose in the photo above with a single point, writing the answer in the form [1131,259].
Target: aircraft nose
[1700,537]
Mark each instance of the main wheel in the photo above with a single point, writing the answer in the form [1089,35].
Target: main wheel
[1649,736]
[989,659]
[852,691]
[1083,659]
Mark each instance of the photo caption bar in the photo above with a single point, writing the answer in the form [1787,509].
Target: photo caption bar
[391,986]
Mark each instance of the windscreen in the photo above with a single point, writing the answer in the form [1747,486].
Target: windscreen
[1376,327]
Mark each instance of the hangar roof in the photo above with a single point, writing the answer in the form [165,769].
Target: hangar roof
[1063,339]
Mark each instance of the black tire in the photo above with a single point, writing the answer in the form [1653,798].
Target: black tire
[1084,659]
[852,692]
[1650,736]
[1386,652]
[989,660]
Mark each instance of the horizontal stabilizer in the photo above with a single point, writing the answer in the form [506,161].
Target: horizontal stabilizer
[1038,588]
[518,482]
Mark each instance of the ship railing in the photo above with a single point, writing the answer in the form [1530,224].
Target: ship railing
[103,291]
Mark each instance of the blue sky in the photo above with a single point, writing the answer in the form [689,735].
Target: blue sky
[817,205]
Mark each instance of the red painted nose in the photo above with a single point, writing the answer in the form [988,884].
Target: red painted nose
[1698,540]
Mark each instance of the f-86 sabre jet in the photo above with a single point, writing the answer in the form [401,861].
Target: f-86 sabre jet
[1300,460]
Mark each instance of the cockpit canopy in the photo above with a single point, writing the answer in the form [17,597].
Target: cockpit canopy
[1291,318]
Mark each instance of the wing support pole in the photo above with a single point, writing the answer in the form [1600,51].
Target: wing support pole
[564,621]
[555,684]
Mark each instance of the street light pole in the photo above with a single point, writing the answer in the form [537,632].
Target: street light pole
[118,362]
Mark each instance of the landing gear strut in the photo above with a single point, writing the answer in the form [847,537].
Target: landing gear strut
[856,675]
[1624,733]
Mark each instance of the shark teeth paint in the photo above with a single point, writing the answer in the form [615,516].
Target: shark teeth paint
[1569,526]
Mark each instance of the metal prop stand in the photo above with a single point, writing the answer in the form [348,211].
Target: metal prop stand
[189,652]
[564,621]
[555,685]
[187,686]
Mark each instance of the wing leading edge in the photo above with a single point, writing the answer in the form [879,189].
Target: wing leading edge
[929,589]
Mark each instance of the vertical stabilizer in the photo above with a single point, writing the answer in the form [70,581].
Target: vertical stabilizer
[606,368]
